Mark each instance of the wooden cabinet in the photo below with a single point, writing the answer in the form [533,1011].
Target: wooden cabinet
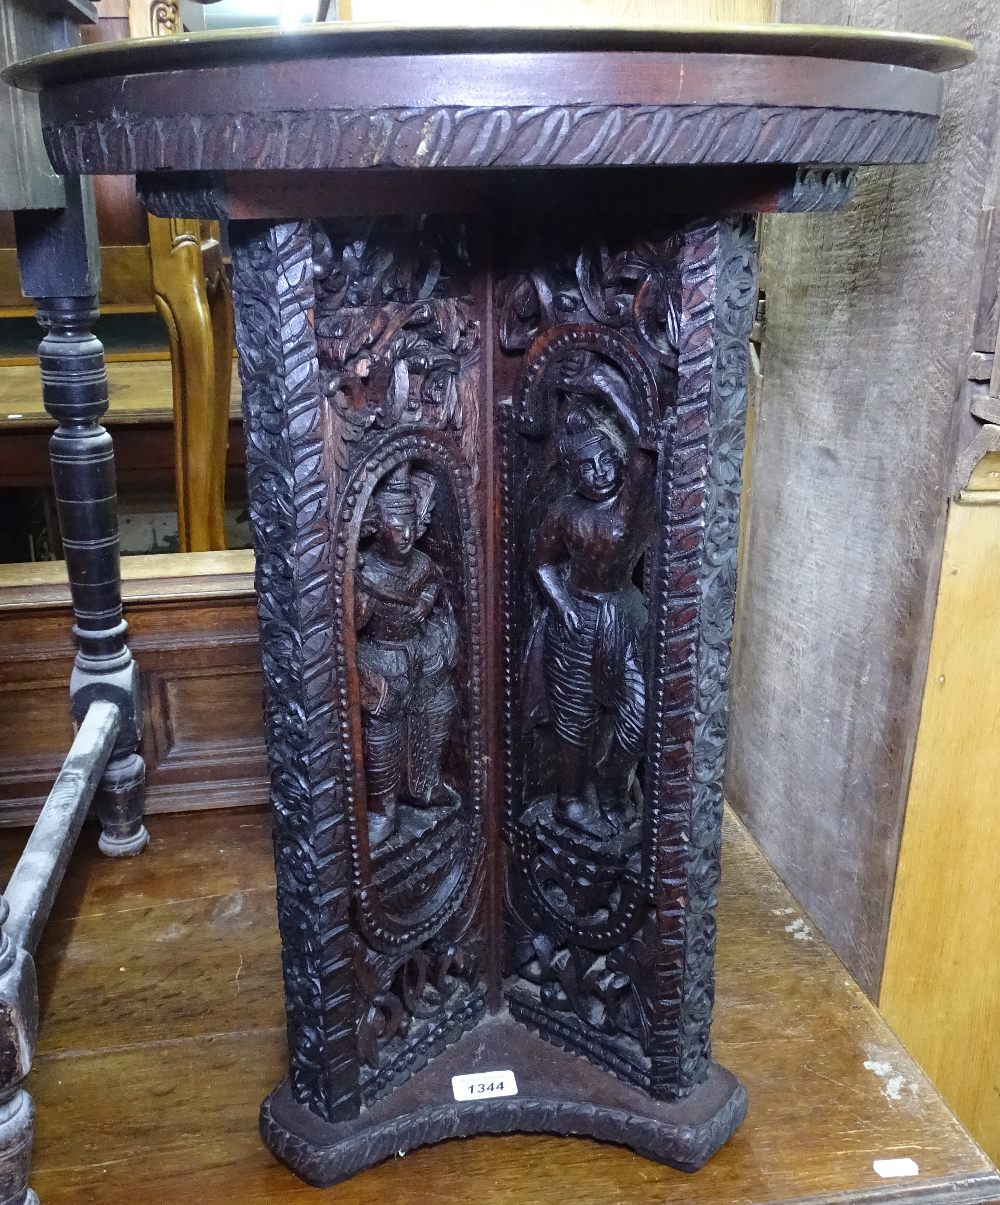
[193,627]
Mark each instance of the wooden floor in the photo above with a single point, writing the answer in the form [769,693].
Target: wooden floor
[163,1029]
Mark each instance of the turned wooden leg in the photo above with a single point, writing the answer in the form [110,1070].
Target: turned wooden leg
[18,1031]
[75,392]
[201,410]
[17,1133]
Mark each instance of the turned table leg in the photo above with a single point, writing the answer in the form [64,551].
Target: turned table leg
[18,1029]
[57,260]
[75,392]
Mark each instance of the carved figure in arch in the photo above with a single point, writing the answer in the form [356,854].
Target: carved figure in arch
[591,634]
[407,653]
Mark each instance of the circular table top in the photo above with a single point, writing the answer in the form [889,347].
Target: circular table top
[225,47]
[347,96]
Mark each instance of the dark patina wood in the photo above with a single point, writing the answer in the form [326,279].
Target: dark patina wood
[494,455]
[57,256]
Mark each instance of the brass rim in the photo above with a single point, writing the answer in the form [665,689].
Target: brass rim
[234,46]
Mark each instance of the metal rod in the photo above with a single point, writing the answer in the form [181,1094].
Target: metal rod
[41,867]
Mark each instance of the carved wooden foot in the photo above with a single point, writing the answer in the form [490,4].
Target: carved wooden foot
[480,476]
[557,1093]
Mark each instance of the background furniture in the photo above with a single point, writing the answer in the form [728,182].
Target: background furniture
[141,418]
[193,626]
[175,268]
[867,674]
[57,257]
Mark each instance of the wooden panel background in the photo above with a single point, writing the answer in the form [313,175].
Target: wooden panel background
[941,988]
[868,321]
[193,629]
[530,12]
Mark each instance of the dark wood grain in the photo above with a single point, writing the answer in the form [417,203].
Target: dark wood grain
[711,191]
[145,451]
[144,1120]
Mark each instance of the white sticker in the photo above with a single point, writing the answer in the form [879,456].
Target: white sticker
[484,1084]
[888,1169]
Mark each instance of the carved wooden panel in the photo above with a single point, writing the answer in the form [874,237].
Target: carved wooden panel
[415,581]
[622,462]
[360,366]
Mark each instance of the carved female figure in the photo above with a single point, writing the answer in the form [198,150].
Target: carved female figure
[407,653]
[592,630]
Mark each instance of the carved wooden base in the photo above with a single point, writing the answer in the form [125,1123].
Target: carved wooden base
[495,500]
[557,1094]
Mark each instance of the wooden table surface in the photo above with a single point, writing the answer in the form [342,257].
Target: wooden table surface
[139,391]
[163,1028]
[140,416]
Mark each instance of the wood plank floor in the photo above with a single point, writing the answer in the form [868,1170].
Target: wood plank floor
[163,1029]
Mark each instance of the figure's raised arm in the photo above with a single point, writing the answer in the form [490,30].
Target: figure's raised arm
[610,386]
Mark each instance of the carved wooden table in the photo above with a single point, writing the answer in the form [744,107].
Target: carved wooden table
[493,293]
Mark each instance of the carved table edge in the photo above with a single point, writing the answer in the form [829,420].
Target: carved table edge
[691,137]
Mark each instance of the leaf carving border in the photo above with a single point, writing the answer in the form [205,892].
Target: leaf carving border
[694,638]
[735,302]
[449,136]
[289,492]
